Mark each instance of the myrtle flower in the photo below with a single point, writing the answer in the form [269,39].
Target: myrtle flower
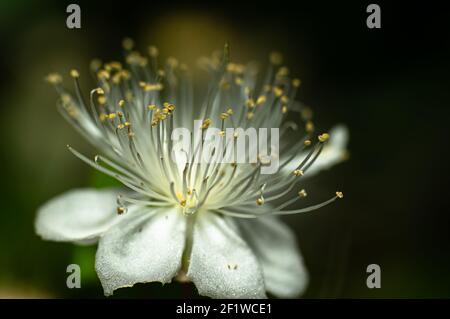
[215,224]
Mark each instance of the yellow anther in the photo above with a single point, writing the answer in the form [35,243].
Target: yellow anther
[250,103]
[159,116]
[340,194]
[101,100]
[238,81]
[161,73]
[282,72]
[125,74]
[284,109]
[278,91]
[128,43]
[230,111]
[235,68]
[122,103]
[168,108]
[121,210]
[206,123]
[120,126]
[250,115]
[276,58]
[172,62]
[66,98]
[231,67]
[103,117]
[103,74]
[309,126]
[224,116]
[73,112]
[323,137]
[112,116]
[260,201]
[115,65]
[261,100]
[127,124]
[134,58]
[296,83]
[307,142]
[183,203]
[284,99]
[152,87]
[302,193]
[152,107]
[99,91]
[298,172]
[116,78]
[222,133]
[179,196]
[120,114]
[153,51]
[53,78]
[74,73]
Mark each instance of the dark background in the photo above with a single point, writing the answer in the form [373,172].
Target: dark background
[389,86]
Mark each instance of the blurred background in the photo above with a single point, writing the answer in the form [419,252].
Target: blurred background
[389,86]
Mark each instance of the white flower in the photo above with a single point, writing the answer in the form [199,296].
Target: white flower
[214,224]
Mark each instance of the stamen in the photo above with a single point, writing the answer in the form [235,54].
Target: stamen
[123,119]
[301,194]
[298,172]
[54,78]
[307,209]
[296,83]
[323,137]
[128,44]
[74,73]
[276,58]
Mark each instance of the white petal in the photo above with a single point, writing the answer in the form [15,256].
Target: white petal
[275,246]
[221,263]
[80,215]
[147,246]
[333,153]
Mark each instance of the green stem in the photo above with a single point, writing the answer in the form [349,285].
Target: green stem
[188,243]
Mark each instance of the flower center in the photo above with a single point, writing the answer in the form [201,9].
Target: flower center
[189,202]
